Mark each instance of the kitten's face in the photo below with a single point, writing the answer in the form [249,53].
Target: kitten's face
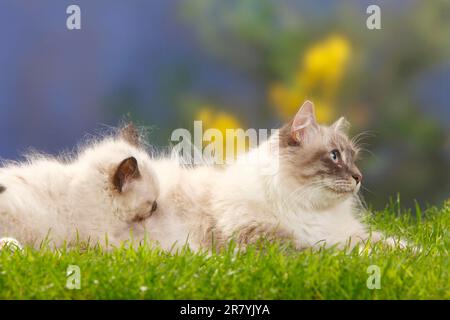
[319,161]
[136,189]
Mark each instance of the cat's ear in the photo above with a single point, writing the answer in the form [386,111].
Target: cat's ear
[130,133]
[304,122]
[340,125]
[125,174]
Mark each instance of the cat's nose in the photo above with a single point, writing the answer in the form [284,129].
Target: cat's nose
[357,177]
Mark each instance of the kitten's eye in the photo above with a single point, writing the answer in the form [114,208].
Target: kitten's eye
[154,206]
[334,155]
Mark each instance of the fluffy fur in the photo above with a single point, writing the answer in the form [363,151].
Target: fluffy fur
[311,200]
[102,192]
[111,186]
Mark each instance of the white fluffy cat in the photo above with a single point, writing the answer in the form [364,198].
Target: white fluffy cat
[310,200]
[107,189]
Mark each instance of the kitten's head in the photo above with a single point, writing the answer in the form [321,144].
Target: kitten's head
[318,161]
[135,190]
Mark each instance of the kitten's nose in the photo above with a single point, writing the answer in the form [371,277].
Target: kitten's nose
[357,177]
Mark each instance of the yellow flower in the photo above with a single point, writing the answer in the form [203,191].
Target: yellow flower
[219,120]
[324,112]
[325,62]
[222,121]
[317,77]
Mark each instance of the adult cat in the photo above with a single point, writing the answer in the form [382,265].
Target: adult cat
[310,200]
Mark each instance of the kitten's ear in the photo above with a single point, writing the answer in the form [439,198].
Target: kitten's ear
[340,125]
[304,122]
[130,133]
[126,172]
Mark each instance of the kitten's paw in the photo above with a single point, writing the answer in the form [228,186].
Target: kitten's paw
[10,243]
[376,238]
[395,243]
[401,244]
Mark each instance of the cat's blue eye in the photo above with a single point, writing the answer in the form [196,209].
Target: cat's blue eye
[334,155]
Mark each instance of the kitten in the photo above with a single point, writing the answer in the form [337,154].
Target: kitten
[104,190]
[311,200]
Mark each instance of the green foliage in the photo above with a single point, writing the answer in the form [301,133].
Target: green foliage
[267,271]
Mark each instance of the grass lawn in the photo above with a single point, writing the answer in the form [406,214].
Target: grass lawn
[275,272]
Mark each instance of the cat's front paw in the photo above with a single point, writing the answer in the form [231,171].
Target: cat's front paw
[401,244]
[395,243]
[392,242]
[368,242]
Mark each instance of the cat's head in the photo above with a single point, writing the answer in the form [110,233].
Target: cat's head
[136,190]
[317,160]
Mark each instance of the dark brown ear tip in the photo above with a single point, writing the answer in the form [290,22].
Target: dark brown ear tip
[129,166]
[129,127]
[2,189]
[130,133]
[132,160]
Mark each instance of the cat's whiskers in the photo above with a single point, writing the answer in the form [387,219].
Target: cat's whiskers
[361,202]
[362,149]
[367,189]
[361,136]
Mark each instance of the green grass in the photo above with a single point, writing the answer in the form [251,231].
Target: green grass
[273,272]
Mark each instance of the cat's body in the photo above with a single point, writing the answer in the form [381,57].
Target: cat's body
[259,205]
[310,199]
[206,207]
[100,192]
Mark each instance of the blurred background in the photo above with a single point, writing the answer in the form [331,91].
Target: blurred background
[164,63]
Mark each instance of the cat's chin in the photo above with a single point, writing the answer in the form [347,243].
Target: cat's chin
[333,198]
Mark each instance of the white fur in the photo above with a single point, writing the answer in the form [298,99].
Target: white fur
[243,195]
[182,211]
[310,224]
[65,199]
